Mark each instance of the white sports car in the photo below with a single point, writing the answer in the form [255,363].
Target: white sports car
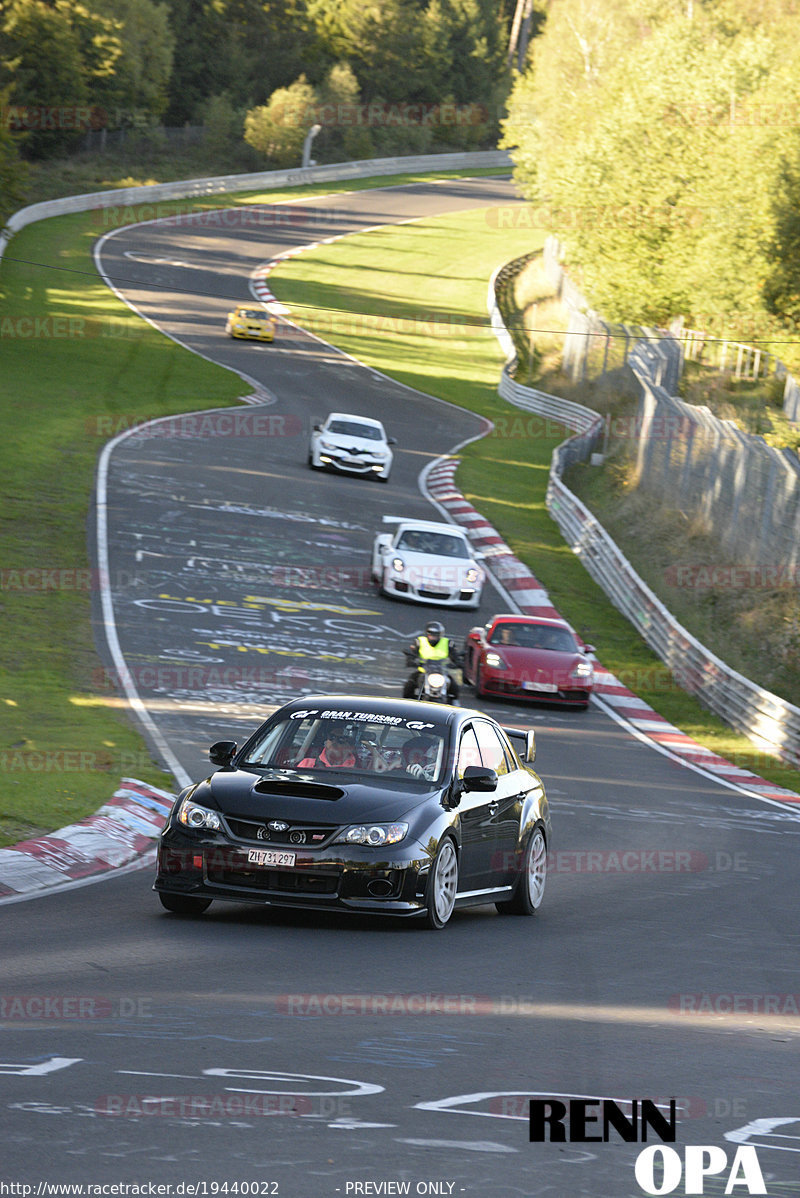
[428,563]
[355,444]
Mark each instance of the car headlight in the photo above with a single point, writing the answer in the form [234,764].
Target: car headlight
[192,815]
[398,565]
[495,661]
[327,445]
[376,834]
[473,574]
[584,669]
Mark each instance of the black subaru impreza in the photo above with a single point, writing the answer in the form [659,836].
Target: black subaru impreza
[387,806]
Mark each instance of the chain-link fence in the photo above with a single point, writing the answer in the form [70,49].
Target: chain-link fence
[594,347]
[746,492]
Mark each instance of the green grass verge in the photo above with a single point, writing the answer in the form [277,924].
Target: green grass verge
[77,366]
[402,301]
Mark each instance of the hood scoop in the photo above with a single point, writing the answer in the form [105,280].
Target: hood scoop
[295,788]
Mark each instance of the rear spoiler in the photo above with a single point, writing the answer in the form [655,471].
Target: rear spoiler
[524,741]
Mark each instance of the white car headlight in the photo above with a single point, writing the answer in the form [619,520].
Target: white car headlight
[328,445]
[495,661]
[376,834]
[398,565]
[584,669]
[192,815]
[473,574]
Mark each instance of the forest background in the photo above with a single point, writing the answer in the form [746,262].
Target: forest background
[660,141]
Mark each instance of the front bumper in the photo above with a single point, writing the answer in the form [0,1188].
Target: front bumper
[253,334]
[497,682]
[467,595]
[351,877]
[352,465]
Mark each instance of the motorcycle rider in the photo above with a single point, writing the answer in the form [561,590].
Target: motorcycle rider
[432,645]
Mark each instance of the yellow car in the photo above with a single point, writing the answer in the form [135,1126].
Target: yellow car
[251,322]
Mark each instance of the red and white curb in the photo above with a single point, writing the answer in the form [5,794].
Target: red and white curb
[531,598]
[115,836]
[258,279]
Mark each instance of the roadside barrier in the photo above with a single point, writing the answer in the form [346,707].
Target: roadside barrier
[770,722]
[221,184]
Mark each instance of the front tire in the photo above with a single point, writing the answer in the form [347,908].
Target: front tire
[184,904]
[529,891]
[442,885]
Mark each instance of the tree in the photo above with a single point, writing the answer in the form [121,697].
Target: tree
[12,171]
[244,49]
[139,84]
[658,166]
[51,58]
[278,128]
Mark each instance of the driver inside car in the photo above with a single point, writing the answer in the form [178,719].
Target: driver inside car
[418,757]
[338,752]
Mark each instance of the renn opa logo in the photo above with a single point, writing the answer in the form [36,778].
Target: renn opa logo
[658,1169]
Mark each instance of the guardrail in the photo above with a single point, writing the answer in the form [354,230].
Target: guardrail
[770,722]
[219,185]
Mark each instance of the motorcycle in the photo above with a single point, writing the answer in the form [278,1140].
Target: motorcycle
[433,681]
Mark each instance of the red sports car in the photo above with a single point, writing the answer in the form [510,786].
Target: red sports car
[529,657]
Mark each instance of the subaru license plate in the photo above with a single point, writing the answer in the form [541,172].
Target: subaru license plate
[270,857]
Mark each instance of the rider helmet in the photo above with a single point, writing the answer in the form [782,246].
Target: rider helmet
[434,631]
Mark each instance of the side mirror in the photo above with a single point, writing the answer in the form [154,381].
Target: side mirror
[524,742]
[317,428]
[391,440]
[589,649]
[222,752]
[480,778]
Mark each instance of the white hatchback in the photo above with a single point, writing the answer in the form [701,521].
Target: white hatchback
[428,563]
[354,444]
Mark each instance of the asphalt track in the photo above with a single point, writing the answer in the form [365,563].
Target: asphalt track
[316,1051]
